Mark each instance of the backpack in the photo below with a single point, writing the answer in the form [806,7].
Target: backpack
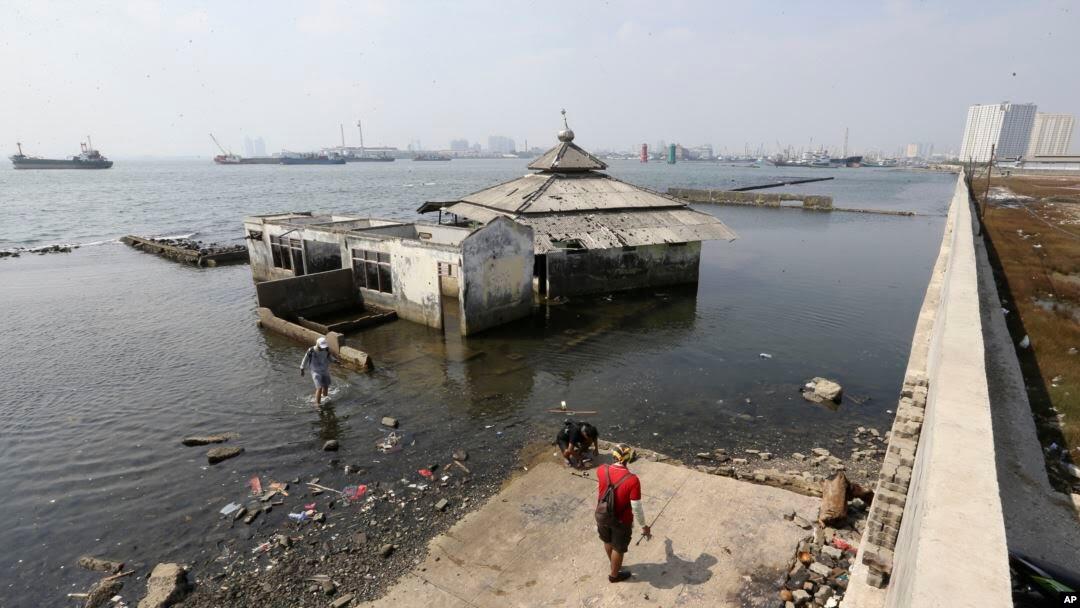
[605,507]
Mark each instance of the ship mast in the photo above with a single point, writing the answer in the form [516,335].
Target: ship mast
[342,127]
[360,126]
[19,146]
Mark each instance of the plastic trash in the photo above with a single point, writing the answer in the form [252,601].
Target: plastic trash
[255,484]
[1025,342]
[765,356]
[352,493]
[299,517]
[426,473]
[230,508]
[309,507]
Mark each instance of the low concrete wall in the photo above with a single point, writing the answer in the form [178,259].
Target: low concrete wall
[310,294]
[936,534]
[347,355]
[757,199]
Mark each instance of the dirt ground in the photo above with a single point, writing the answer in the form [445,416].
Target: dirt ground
[1033,224]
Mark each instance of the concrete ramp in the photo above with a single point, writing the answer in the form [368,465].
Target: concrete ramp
[716,542]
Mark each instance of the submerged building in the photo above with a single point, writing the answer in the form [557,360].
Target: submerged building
[567,229]
[592,233]
[326,270]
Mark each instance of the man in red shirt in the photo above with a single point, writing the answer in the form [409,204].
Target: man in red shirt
[616,533]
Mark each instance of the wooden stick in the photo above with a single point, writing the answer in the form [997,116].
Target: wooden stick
[463,467]
[315,485]
[573,412]
[118,575]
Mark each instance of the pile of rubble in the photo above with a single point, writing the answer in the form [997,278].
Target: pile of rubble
[15,252]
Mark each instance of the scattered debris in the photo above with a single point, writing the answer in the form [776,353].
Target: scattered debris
[1025,342]
[833,500]
[442,504]
[390,422]
[765,356]
[460,455]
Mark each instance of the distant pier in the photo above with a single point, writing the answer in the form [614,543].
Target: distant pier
[810,202]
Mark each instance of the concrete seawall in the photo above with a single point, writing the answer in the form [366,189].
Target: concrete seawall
[936,534]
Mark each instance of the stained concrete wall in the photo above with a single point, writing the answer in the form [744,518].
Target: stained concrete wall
[606,270]
[950,548]
[496,275]
[308,295]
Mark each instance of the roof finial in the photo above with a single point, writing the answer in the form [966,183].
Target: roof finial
[566,134]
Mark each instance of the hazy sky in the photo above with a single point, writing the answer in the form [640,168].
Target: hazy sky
[146,77]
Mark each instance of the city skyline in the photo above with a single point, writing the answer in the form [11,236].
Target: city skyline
[148,78]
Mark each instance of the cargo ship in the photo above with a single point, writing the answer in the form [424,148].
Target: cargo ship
[236,159]
[311,158]
[364,158]
[88,158]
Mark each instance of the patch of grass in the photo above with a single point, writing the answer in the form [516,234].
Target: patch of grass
[1041,286]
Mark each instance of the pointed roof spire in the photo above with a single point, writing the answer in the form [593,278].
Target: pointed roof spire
[566,157]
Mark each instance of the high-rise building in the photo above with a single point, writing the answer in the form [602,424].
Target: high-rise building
[1051,135]
[260,147]
[459,145]
[501,145]
[911,151]
[249,147]
[1004,126]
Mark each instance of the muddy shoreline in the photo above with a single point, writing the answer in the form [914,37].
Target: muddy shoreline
[359,549]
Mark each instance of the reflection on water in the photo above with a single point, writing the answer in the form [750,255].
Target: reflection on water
[110,356]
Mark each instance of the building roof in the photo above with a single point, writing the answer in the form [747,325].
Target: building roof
[570,200]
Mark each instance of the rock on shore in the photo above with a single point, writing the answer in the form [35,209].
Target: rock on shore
[820,390]
[216,455]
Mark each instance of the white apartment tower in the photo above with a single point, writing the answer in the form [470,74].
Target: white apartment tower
[1051,135]
[1006,126]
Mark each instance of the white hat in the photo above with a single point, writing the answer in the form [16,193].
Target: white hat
[321,343]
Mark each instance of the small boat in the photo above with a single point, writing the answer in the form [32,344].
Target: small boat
[88,158]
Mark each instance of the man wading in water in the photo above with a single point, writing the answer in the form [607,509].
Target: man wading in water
[618,504]
[319,358]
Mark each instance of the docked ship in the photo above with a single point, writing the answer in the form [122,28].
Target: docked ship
[88,158]
[311,158]
[228,158]
[431,156]
[368,158]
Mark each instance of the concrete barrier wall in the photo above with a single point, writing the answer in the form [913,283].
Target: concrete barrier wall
[935,535]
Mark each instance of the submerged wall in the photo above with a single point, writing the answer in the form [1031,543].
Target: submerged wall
[935,535]
[605,270]
[758,199]
[308,295]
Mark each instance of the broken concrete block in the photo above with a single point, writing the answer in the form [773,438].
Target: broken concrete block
[100,565]
[342,601]
[390,422]
[216,455]
[166,586]
[442,504]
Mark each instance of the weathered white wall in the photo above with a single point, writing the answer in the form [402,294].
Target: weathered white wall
[496,275]
[415,274]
